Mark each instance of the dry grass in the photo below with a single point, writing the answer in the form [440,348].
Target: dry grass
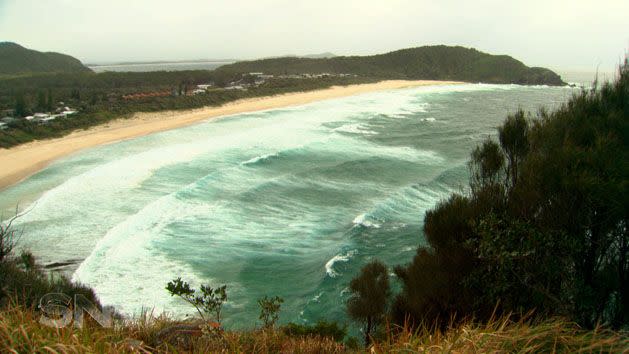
[20,332]
[507,336]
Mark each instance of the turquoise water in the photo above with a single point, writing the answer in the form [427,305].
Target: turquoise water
[289,202]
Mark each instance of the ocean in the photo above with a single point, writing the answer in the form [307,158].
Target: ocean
[289,202]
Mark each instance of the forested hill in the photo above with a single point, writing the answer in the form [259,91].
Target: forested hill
[429,62]
[16,60]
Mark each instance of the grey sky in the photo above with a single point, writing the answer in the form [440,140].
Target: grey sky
[577,34]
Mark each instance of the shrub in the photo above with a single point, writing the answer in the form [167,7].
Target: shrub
[270,310]
[209,303]
[322,329]
[543,226]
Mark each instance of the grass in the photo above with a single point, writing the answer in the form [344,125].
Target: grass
[20,332]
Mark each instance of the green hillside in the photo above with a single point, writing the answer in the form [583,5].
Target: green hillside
[17,60]
[430,62]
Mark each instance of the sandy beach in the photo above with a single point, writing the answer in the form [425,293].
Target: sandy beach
[24,160]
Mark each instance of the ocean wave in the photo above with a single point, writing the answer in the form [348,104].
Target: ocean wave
[343,257]
[125,268]
[260,158]
[354,128]
[402,206]
[316,298]
[363,220]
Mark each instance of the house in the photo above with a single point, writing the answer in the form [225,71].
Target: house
[47,119]
[40,116]
[68,112]
[3,126]
[204,86]
[8,120]
[198,91]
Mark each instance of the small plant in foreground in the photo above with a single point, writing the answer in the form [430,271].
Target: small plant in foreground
[270,310]
[208,304]
[8,238]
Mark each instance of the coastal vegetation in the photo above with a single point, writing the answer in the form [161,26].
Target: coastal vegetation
[16,60]
[99,98]
[426,63]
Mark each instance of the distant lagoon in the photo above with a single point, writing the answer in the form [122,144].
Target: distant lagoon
[164,66]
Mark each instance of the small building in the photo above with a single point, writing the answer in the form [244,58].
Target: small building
[198,91]
[47,119]
[3,126]
[204,86]
[41,115]
[8,120]
[68,112]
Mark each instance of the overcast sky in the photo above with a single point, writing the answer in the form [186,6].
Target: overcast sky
[574,35]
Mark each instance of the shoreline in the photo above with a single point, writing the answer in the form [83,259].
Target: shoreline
[22,161]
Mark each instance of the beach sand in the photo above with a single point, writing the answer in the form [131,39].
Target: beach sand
[17,163]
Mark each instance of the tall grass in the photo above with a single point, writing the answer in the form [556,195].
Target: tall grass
[20,332]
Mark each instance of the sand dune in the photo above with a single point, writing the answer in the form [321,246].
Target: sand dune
[22,161]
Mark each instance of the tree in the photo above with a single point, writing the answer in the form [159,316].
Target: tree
[513,135]
[20,109]
[50,104]
[270,310]
[208,303]
[370,293]
[41,101]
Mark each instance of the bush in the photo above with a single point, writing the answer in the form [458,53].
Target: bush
[28,286]
[322,329]
[370,296]
[543,226]
[269,310]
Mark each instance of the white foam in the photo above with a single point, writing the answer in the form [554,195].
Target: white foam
[329,266]
[363,220]
[127,271]
[259,158]
[354,128]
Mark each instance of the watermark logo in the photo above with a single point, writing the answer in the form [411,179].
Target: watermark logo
[59,311]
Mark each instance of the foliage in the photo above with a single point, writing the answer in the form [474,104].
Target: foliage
[8,239]
[369,297]
[270,310]
[208,303]
[100,97]
[25,282]
[543,226]
[321,329]
[430,62]
[15,59]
